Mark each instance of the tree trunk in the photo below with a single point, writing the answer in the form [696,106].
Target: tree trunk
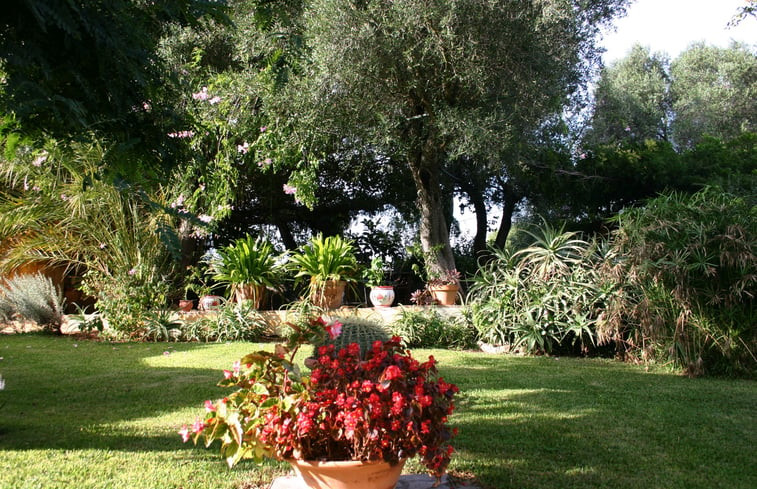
[434,233]
[190,249]
[508,208]
[482,228]
[286,234]
[469,182]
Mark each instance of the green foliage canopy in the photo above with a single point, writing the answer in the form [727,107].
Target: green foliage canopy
[429,81]
[73,66]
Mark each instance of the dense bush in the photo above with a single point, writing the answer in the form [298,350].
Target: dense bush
[34,298]
[128,300]
[688,273]
[429,329]
[546,296]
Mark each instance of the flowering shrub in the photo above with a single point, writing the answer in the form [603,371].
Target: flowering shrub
[387,407]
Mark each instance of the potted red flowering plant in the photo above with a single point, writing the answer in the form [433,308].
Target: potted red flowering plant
[374,408]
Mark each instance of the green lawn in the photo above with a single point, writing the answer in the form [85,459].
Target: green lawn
[79,414]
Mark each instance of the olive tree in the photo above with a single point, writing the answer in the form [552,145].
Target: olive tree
[714,93]
[433,81]
[632,100]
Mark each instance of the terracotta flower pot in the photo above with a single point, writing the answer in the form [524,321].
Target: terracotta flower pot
[185,305]
[250,292]
[382,296]
[446,295]
[329,294]
[348,474]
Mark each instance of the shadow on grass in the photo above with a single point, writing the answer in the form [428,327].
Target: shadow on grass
[67,394]
[548,423]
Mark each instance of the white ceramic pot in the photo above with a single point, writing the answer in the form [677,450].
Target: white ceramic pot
[382,296]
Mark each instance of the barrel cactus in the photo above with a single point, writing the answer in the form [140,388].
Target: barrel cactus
[362,331]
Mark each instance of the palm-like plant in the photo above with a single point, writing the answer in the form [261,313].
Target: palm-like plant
[68,212]
[248,261]
[59,206]
[329,262]
[324,259]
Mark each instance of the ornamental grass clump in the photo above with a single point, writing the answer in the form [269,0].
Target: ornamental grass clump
[386,406]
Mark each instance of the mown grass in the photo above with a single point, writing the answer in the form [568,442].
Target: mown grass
[98,415]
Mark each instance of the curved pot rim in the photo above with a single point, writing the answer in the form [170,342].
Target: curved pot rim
[338,463]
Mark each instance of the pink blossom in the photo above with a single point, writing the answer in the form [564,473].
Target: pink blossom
[243,148]
[198,426]
[289,190]
[205,218]
[184,432]
[63,197]
[146,106]
[181,134]
[102,246]
[214,100]
[36,188]
[132,271]
[227,374]
[209,406]
[201,95]
[263,129]
[237,367]
[39,159]
[628,128]
[334,329]
[582,156]
[179,202]
[266,162]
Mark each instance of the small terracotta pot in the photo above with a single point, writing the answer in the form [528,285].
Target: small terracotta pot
[446,295]
[348,474]
[185,305]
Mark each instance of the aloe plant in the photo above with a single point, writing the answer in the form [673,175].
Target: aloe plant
[542,297]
